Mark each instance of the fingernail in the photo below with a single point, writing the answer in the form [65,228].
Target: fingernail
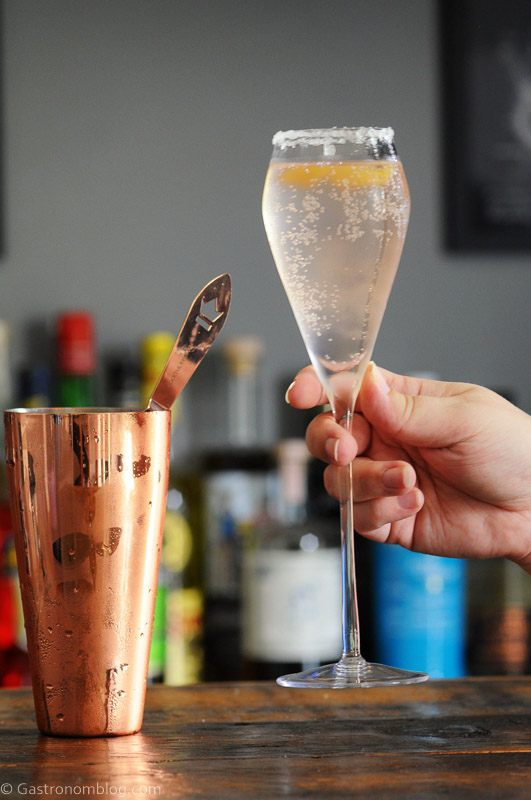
[408,501]
[288,390]
[379,379]
[393,478]
[332,449]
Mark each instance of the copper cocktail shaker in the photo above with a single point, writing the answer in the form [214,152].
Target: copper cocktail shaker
[88,495]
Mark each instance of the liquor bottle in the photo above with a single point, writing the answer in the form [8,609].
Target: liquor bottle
[154,351]
[34,386]
[76,360]
[122,380]
[419,611]
[291,580]
[418,605]
[176,656]
[5,401]
[14,667]
[182,576]
[7,604]
[499,611]
[237,481]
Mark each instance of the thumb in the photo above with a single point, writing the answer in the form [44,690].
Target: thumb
[411,417]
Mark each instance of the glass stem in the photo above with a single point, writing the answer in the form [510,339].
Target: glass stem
[350,619]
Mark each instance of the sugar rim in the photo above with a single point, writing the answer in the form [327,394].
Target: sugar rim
[322,136]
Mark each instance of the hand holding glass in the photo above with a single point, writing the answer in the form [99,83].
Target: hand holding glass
[336,208]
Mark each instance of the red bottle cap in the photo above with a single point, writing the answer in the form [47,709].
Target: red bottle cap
[75,343]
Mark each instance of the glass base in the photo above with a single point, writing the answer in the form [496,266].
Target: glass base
[350,672]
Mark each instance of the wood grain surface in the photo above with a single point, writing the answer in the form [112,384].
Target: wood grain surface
[442,739]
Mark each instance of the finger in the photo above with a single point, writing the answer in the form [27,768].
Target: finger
[399,532]
[371,479]
[306,390]
[381,534]
[373,515]
[420,420]
[330,442]
[409,384]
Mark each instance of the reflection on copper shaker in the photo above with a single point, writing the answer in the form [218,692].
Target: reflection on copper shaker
[88,494]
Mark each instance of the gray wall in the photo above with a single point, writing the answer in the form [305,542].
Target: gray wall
[136,138]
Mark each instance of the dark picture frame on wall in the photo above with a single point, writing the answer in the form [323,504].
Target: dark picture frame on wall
[486,124]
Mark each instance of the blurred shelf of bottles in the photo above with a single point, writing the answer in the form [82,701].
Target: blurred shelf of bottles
[250,579]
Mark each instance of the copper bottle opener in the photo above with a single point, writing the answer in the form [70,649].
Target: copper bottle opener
[205,319]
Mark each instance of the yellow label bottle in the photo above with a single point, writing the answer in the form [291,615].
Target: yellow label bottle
[176,651]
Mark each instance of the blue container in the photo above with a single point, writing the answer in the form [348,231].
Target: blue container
[419,611]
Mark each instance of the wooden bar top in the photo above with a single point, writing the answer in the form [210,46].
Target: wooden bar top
[451,739]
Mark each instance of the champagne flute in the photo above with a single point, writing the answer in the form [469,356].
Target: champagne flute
[336,208]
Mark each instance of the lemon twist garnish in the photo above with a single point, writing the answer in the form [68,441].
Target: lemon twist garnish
[354,174]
